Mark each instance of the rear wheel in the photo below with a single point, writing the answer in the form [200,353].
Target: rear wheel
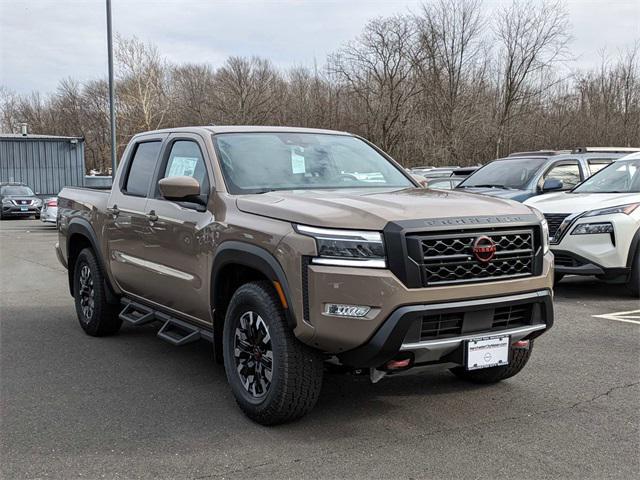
[96,315]
[274,378]
[519,358]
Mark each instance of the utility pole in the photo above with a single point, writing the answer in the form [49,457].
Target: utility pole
[112,111]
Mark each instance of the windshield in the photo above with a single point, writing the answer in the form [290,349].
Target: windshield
[16,190]
[619,177]
[259,162]
[512,173]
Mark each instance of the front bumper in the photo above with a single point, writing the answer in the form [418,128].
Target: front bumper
[602,254]
[401,333]
[16,211]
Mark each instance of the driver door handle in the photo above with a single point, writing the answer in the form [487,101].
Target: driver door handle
[152,217]
[114,210]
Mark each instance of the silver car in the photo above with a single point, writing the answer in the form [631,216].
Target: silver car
[49,212]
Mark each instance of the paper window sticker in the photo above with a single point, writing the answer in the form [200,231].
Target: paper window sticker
[182,166]
[297,162]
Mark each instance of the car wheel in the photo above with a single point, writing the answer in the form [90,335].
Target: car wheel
[273,376]
[634,279]
[96,315]
[519,358]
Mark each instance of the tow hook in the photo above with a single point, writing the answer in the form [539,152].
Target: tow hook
[392,365]
[523,344]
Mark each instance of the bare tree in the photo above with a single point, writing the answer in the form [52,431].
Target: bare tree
[376,71]
[533,38]
[451,64]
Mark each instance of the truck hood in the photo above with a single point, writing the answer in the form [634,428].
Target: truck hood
[565,202]
[372,209]
[508,193]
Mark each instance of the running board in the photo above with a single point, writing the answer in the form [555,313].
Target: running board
[178,333]
[137,314]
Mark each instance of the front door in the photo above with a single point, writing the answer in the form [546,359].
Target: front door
[180,242]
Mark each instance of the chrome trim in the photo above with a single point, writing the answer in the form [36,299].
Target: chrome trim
[462,338]
[330,233]
[152,266]
[349,263]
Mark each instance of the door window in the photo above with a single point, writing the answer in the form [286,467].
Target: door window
[567,173]
[597,164]
[186,159]
[141,169]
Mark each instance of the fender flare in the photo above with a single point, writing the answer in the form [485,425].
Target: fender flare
[631,256]
[252,256]
[81,226]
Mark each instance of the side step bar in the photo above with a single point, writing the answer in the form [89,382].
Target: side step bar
[137,314]
[178,333]
[173,330]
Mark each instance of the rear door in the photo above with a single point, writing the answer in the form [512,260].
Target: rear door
[127,227]
[179,244]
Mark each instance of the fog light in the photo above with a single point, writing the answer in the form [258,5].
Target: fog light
[340,310]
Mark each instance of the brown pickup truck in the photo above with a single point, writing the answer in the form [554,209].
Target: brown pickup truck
[295,250]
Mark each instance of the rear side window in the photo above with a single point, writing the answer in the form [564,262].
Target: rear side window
[597,164]
[185,159]
[142,167]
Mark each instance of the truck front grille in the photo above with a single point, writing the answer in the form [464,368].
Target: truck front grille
[449,257]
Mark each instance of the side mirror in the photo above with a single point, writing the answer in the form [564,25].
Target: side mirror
[552,184]
[179,188]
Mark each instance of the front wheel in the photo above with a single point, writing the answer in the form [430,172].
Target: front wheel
[96,315]
[274,378]
[519,358]
[634,280]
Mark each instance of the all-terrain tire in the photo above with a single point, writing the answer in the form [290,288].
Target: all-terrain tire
[102,317]
[296,369]
[634,279]
[519,358]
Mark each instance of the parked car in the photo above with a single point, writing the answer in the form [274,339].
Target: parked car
[527,174]
[49,212]
[254,239]
[463,172]
[18,200]
[595,228]
[444,183]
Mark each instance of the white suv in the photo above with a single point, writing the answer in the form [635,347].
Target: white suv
[595,228]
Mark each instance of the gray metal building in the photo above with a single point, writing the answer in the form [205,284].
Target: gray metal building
[44,162]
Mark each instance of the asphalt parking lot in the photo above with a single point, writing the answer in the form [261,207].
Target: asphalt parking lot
[132,406]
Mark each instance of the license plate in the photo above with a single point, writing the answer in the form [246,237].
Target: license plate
[24,209]
[486,352]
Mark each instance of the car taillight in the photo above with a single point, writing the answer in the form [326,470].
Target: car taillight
[52,203]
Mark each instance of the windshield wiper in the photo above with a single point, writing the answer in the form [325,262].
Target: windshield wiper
[504,187]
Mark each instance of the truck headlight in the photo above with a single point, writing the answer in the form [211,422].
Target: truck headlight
[350,248]
[592,228]
[544,226]
[626,209]
[545,235]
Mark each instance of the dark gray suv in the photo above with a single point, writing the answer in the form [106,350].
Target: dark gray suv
[526,174]
[18,200]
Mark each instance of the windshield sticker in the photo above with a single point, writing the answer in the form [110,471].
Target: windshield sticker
[297,161]
[182,167]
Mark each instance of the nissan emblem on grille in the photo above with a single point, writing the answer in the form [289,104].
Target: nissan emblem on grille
[484,249]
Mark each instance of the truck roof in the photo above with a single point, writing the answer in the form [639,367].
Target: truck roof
[213,129]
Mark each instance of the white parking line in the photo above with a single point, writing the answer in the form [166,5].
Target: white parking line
[628,317]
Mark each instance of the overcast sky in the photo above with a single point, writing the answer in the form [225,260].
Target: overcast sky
[43,41]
